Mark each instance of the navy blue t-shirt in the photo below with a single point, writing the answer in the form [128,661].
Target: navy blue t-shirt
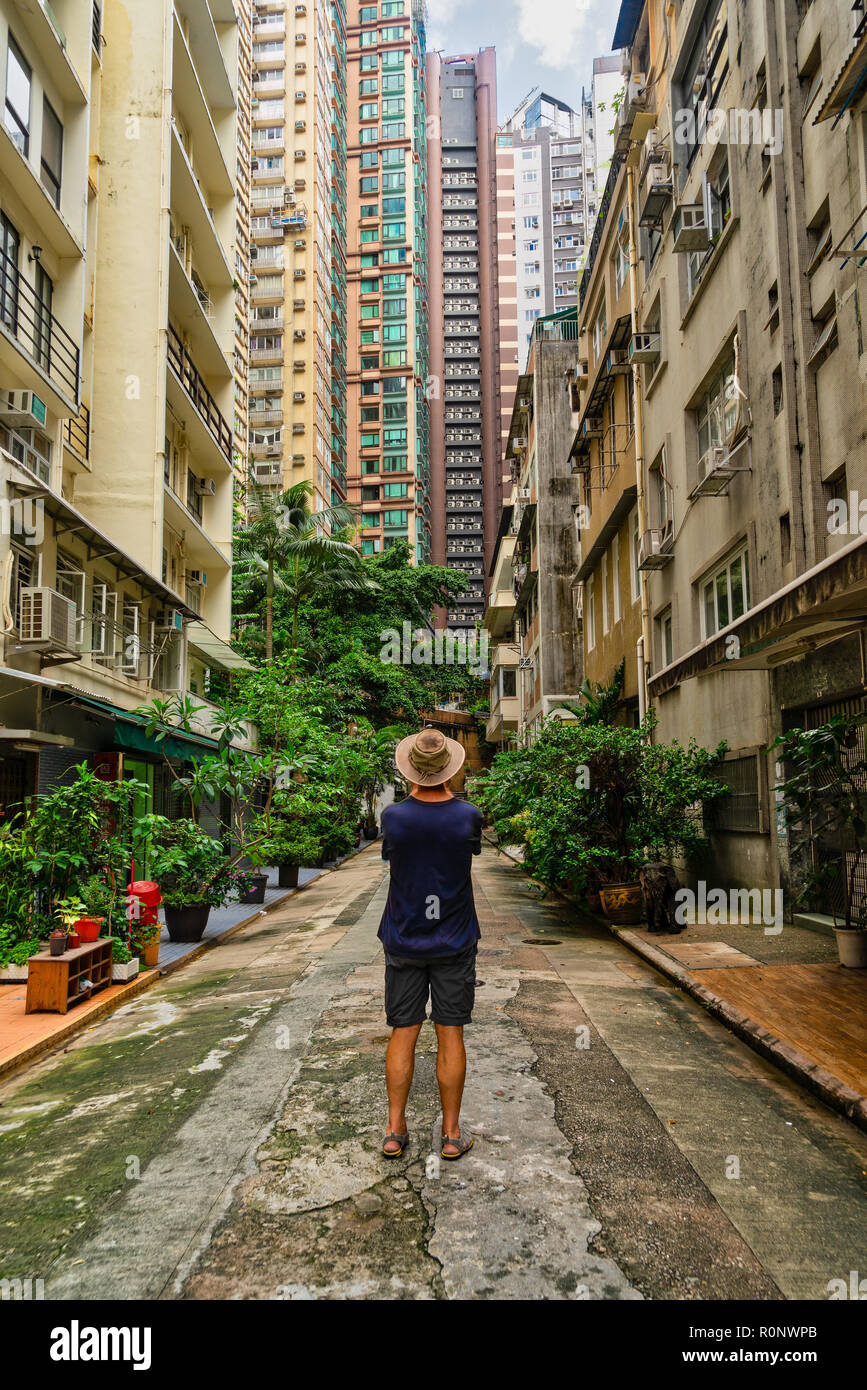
[429,846]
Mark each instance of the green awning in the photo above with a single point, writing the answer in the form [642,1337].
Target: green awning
[131,732]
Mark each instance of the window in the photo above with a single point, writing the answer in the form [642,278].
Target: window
[590,611]
[369,62]
[393,106]
[621,255]
[370,184]
[369,414]
[369,335]
[394,255]
[368,15]
[397,517]
[604,581]
[368,38]
[393,183]
[371,546]
[395,464]
[666,638]
[396,490]
[369,110]
[508,683]
[369,519]
[370,260]
[369,286]
[370,494]
[392,33]
[600,330]
[717,412]
[368,235]
[369,466]
[726,594]
[392,82]
[370,388]
[705,71]
[368,87]
[392,9]
[634,583]
[370,363]
[394,231]
[370,311]
[391,158]
[393,282]
[615,575]
[367,135]
[741,809]
[52,151]
[457,93]
[394,130]
[369,159]
[369,210]
[42,317]
[370,441]
[19,80]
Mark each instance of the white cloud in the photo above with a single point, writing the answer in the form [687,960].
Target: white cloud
[565,33]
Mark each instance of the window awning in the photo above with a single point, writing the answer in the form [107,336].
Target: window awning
[130,731]
[823,605]
[848,84]
[215,651]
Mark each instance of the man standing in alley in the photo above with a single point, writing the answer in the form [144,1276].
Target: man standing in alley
[429,930]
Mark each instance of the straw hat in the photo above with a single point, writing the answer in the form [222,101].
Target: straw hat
[428,758]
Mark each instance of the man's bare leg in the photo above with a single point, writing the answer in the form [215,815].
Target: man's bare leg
[451,1073]
[399,1067]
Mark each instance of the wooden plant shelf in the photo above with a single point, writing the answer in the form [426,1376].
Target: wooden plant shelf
[56,982]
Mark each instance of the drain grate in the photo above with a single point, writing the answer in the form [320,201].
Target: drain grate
[542,941]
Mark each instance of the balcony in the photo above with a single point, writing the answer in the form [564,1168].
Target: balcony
[35,348]
[204,44]
[76,434]
[197,392]
[190,209]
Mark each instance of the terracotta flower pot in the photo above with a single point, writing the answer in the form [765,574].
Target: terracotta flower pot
[88,927]
[151,955]
[623,903]
[73,941]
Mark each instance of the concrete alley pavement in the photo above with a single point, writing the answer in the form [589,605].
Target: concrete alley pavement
[220,1136]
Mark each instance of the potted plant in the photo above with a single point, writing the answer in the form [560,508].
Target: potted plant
[200,873]
[124,961]
[591,802]
[70,911]
[57,942]
[824,795]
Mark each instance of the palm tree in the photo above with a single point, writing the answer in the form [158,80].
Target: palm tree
[296,550]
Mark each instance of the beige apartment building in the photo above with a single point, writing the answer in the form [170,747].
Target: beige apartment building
[535,645]
[117,342]
[743,141]
[297,321]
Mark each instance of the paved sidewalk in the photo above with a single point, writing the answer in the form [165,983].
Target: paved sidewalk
[224,919]
[784,992]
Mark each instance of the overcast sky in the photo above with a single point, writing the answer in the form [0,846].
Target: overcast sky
[544,43]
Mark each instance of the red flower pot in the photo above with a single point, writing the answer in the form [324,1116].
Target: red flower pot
[88,927]
[73,941]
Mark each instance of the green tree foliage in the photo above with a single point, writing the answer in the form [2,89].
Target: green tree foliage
[591,803]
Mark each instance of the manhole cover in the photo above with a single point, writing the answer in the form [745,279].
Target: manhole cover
[542,941]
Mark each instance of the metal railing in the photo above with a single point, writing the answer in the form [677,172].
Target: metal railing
[190,379]
[29,321]
[76,431]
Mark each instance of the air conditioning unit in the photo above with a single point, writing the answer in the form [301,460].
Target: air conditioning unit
[524,403]
[520,441]
[524,494]
[298,396]
[592,428]
[690,228]
[198,577]
[47,616]
[301,244]
[715,472]
[644,348]
[616,362]
[206,487]
[274,450]
[655,548]
[655,192]
[298,458]
[299,335]
[169,620]
[22,409]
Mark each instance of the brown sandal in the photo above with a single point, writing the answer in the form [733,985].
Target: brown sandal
[402,1139]
[463,1145]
